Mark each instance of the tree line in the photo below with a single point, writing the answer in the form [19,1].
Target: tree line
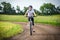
[45,9]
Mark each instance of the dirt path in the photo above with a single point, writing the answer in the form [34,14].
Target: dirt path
[42,32]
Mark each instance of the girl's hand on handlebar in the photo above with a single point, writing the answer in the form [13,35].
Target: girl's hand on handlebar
[34,15]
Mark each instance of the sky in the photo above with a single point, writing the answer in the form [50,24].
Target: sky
[35,3]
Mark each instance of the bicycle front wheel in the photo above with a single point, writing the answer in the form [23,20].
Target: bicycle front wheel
[30,28]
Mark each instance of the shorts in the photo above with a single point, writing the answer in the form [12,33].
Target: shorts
[32,19]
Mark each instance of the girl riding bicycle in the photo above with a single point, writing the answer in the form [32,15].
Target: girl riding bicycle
[30,14]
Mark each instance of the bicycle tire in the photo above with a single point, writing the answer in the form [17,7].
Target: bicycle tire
[30,27]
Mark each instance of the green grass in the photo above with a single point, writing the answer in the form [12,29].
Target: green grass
[17,18]
[53,20]
[8,29]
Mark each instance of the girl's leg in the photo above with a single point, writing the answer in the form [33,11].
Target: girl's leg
[33,24]
[32,21]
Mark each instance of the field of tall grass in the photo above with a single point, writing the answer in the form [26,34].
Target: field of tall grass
[53,19]
[8,29]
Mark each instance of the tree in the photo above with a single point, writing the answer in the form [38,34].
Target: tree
[47,8]
[13,10]
[0,8]
[37,12]
[1,11]
[7,7]
[21,13]
[25,9]
[18,9]
[58,9]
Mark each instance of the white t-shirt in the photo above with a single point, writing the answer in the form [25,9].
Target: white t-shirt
[30,13]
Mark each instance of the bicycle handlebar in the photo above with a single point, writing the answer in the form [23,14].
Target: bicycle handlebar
[27,16]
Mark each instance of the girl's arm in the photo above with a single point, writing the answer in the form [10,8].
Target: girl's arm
[34,14]
[26,13]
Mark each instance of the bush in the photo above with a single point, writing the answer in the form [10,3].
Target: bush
[9,29]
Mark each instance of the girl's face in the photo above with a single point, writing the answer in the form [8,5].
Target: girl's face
[30,8]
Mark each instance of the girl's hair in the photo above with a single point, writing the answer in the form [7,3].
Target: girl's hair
[31,6]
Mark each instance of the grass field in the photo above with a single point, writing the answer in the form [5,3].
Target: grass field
[8,29]
[53,19]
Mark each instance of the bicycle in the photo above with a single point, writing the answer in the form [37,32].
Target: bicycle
[31,24]
[31,30]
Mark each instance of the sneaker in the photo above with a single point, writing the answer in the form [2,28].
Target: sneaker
[33,31]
